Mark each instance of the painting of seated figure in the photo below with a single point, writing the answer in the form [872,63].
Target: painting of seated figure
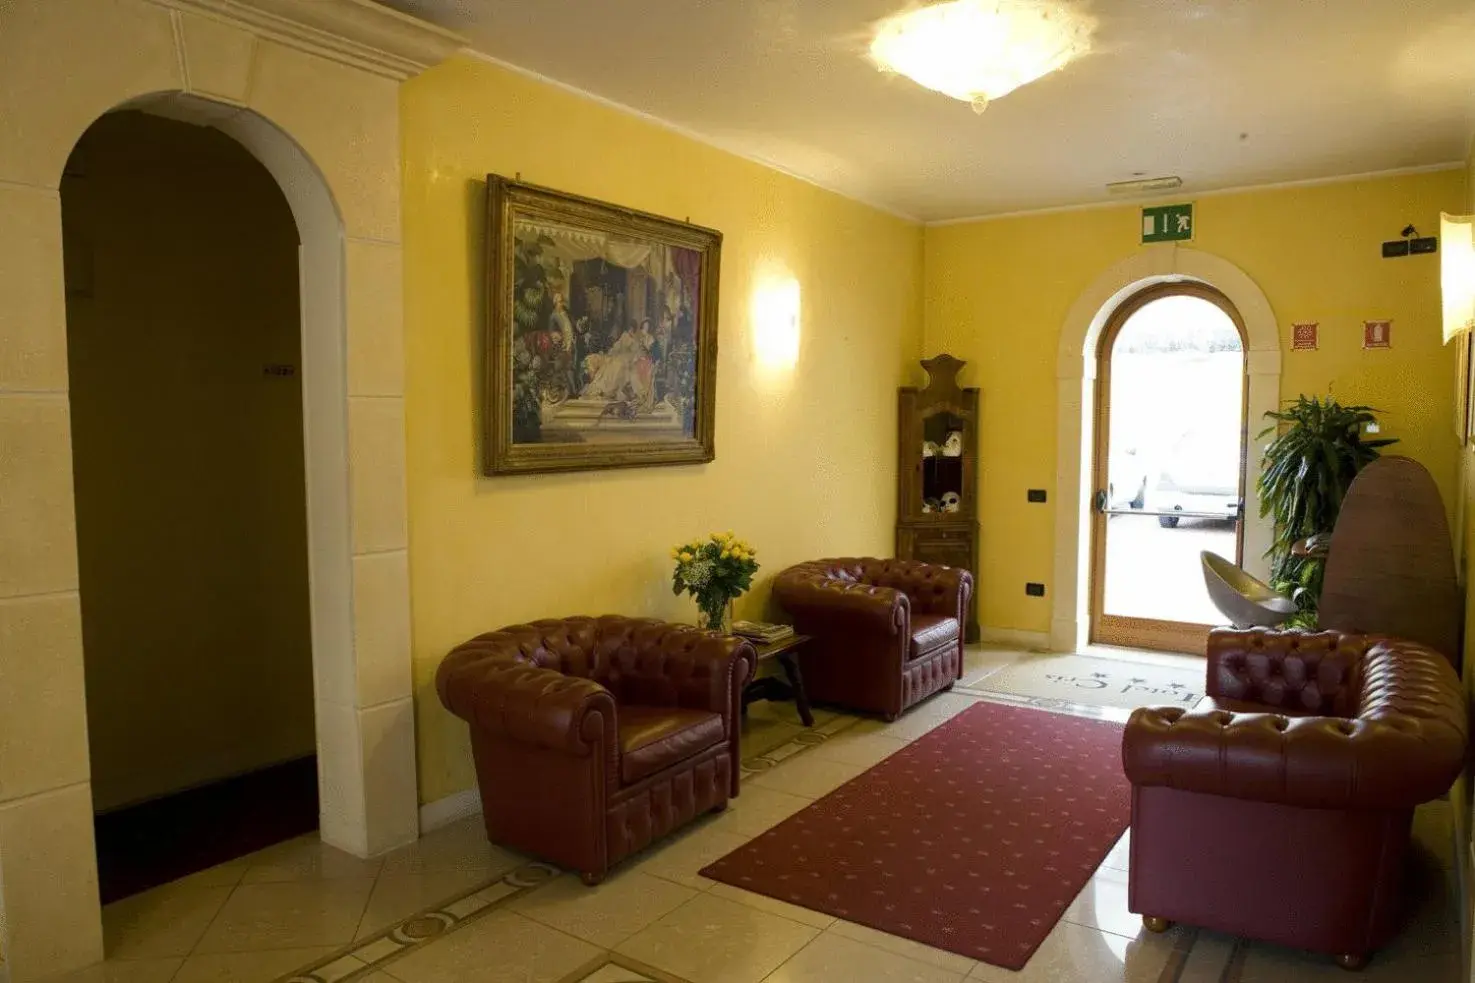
[601,334]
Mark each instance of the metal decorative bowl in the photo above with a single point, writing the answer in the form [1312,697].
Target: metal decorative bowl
[1243,600]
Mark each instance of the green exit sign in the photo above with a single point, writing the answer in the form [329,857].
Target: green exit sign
[1167,223]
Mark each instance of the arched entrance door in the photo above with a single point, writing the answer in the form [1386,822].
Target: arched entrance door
[1169,464]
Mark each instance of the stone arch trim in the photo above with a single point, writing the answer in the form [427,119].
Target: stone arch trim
[1076,396]
[312,91]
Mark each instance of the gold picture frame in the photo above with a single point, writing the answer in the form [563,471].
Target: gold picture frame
[601,334]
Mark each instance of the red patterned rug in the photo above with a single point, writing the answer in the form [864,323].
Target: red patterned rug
[973,839]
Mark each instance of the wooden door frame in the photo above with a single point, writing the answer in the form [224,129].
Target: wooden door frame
[1151,633]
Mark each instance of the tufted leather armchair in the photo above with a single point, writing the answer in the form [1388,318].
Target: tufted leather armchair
[887,633]
[595,736]
[1279,808]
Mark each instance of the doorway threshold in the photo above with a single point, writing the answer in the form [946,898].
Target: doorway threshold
[152,843]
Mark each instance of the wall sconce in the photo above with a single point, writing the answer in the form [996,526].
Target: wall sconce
[1457,273]
[776,323]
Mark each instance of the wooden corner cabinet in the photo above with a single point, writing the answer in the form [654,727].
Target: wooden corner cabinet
[937,468]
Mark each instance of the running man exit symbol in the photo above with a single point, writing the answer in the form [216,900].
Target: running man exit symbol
[1167,223]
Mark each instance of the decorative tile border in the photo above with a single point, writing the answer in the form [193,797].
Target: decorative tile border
[1117,714]
[803,741]
[367,956]
[613,968]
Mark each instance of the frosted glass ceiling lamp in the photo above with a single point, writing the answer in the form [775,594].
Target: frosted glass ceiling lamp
[979,50]
[1457,273]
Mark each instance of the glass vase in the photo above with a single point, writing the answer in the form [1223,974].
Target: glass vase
[723,621]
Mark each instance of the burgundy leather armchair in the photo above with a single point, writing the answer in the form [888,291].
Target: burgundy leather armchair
[887,633]
[595,736]
[1279,808]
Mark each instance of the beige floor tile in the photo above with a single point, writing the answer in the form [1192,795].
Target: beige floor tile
[1208,958]
[759,809]
[247,967]
[305,858]
[833,957]
[289,914]
[793,912]
[125,971]
[167,921]
[760,736]
[1102,904]
[944,705]
[398,896]
[912,725]
[502,946]
[712,940]
[605,915]
[1273,964]
[1121,853]
[1077,954]
[916,951]
[807,776]
[223,875]
[858,749]
[462,845]
[979,663]
[679,858]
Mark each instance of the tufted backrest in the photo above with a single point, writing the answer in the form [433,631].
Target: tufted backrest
[1310,672]
[929,587]
[1402,742]
[639,660]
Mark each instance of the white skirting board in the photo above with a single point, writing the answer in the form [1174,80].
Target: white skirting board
[443,812]
[1014,638]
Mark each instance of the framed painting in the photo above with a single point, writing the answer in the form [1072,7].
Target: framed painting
[601,334]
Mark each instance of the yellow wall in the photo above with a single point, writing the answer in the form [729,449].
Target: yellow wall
[997,293]
[805,458]
[182,284]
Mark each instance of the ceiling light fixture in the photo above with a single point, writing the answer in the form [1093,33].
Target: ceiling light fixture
[979,50]
[1167,183]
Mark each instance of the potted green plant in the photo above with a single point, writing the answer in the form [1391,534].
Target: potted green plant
[1317,451]
[715,571]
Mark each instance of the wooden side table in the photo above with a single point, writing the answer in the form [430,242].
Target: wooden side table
[786,651]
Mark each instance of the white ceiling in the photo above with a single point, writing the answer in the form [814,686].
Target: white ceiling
[1225,93]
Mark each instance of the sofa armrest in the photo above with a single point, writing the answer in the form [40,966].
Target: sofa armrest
[1317,672]
[519,701]
[823,605]
[1395,762]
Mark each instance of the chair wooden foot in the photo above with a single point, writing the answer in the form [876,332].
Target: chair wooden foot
[719,807]
[1155,924]
[591,878]
[1352,961]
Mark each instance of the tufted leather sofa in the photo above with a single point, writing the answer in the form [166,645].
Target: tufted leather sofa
[887,633]
[1280,807]
[595,736]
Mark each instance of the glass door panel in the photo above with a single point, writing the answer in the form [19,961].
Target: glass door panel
[1169,469]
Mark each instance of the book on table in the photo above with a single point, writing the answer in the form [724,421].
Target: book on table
[760,631]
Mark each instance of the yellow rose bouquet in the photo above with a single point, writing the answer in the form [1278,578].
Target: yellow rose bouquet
[714,570]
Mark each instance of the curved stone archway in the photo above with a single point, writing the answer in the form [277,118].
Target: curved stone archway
[312,91]
[1076,384]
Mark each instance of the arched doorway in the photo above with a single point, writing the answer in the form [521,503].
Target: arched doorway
[311,90]
[1169,464]
[1076,397]
[183,337]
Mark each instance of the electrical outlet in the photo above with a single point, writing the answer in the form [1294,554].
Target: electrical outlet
[1036,495]
[1426,244]
[1034,590]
